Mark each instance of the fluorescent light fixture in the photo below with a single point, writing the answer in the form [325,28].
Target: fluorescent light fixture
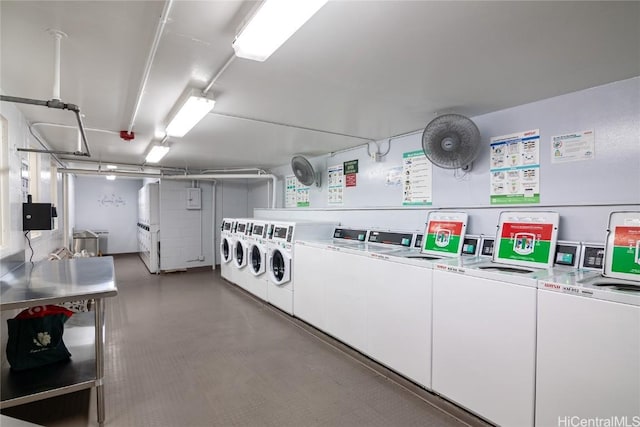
[193,107]
[156,153]
[112,167]
[273,23]
[111,177]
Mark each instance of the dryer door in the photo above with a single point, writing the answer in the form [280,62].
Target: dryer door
[239,254]
[257,260]
[225,249]
[279,266]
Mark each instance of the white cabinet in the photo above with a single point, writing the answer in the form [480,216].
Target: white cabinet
[484,346]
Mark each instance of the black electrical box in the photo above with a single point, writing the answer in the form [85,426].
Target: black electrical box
[37,216]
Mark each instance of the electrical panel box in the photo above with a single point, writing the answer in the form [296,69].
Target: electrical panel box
[37,216]
[194,198]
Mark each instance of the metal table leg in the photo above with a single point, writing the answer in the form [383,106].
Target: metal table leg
[99,312]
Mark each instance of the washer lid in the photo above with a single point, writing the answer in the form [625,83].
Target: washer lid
[527,239]
[444,233]
[622,254]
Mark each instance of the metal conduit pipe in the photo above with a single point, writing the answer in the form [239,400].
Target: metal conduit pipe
[273,178]
[201,177]
[58,125]
[152,54]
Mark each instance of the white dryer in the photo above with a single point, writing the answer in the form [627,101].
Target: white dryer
[257,259]
[484,320]
[226,249]
[241,252]
[589,333]
[281,238]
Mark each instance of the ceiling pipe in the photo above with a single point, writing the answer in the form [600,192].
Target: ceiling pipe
[188,177]
[100,162]
[218,74]
[152,54]
[57,40]
[59,125]
[214,177]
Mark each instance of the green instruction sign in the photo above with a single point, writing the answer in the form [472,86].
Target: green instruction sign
[351,167]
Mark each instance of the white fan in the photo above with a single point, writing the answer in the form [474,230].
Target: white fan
[304,172]
[451,141]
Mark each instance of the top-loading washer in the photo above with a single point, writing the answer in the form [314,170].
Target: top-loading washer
[588,336]
[484,320]
[281,238]
[226,249]
[241,251]
[257,259]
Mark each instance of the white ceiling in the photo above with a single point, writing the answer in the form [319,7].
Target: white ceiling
[370,69]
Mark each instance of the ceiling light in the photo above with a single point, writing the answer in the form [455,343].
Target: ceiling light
[192,108]
[111,177]
[273,23]
[112,167]
[156,153]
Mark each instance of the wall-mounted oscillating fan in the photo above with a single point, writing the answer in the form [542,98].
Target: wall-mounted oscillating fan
[451,141]
[304,172]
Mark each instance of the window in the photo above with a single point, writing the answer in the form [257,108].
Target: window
[4,182]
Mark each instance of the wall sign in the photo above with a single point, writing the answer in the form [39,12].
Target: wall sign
[335,191]
[350,180]
[572,147]
[296,195]
[417,178]
[351,166]
[515,168]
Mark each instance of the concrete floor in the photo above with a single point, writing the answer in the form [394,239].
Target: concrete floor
[190,349]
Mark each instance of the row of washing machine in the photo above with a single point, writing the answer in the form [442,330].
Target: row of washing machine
[539,334]
[257,255]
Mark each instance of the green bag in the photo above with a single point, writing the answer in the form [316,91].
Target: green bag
[35,337]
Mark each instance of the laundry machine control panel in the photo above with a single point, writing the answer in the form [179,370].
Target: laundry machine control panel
[387,238]
[349,234]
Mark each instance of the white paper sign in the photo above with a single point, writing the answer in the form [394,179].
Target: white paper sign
[572,147]
[416,178]
[335,186]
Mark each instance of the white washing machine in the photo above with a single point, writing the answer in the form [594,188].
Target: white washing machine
[484,320]
[283,234]
[241,252]
[227,269]
[257,258]
[376,299]
[588,353]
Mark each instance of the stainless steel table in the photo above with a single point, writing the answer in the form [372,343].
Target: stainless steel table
[54,282]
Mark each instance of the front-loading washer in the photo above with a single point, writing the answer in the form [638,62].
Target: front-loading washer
[227,269]
[241,251]
[283,234]
[257,259]
[588,336]
[484,320]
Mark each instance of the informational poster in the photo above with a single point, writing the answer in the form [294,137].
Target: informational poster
[350,180]
[290,194]
[526,242]
[394,176]
[296,195]
[417,175]
[443,236]
[626,250]
[302,196]
[336,185]
[572,147]
[515,168]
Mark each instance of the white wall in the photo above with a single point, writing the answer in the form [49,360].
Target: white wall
[185,235]
[19,137]
[110,206]
[583,192]
[232,201]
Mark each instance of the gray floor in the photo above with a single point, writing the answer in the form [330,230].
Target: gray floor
[189,349]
